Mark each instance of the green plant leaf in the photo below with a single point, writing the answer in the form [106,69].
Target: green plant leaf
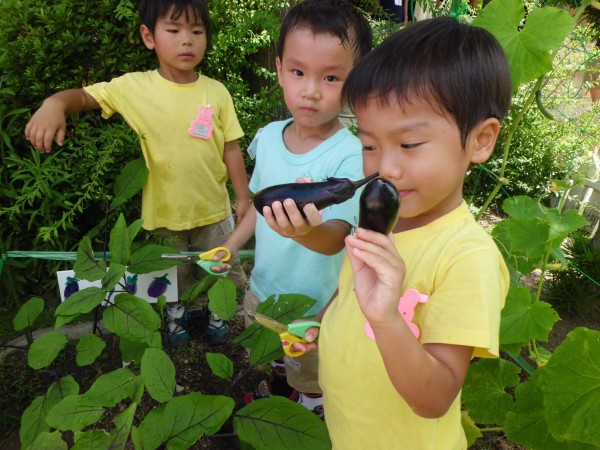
[277,422]
[129,182]
[572,388]
[132,351]
[150,434]
[49,441]
[194,291]
[88,349]
[92,439]
[115,272]
[27,313]
[523,318]
[81,302]
[132,318]
[64,320]
[147,258]
[73,414]
[33,420]
[528,237]
[286,308]
[222,298]
[158,372]
[110,388]
[484,391]
[528,50]
[523,207]
[134,229]
[527,425]
[86,266]
[220,365]
[123,422]
[119,242]
[187,417]
[45,349]
[560,226]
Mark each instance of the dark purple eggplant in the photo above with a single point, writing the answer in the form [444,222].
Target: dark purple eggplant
[323,193]
[71,287]
[379,206]
[158,286]
[131,284]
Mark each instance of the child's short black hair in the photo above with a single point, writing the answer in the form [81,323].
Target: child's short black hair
[153,10]
[460,69]
[336,17]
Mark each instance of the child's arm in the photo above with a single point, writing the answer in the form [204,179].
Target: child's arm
[321,237]
[242,233]
[428,377]
[49,120]
[234,160]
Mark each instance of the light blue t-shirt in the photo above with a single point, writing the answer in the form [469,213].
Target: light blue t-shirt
[281,265]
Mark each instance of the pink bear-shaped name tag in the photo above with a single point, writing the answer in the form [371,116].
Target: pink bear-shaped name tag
[406,306]
[201,126]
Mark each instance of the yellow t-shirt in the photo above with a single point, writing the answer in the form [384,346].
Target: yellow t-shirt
[457,264]
[186,186]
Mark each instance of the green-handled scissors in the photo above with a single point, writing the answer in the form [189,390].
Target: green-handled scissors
[289,334]
[205,259]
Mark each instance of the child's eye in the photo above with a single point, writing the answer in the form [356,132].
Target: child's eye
[331,78]
[199,32]
[411,146]
[297,72]
[369,148]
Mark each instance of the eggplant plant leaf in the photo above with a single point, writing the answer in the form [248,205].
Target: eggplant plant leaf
[147,258]
[572,388]
[524,319]
[485,393]
[528,50]
[86,266]
[276,422]
[73,414]
[28,313]
[81,302]
[88,349]
[134,319]
[158,372]
[115,272]
[222,298]
[119,242]
[129,182]
[110,388]
[45,349]
[220,365]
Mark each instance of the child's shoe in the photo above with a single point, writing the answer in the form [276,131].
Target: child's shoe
[176,325]
[312,402]
[216,331]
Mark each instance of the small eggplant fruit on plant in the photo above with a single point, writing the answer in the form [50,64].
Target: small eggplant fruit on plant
[379,206]
[323,193]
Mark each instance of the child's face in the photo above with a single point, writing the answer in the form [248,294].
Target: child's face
[180,45]
[420,151]
[311,73]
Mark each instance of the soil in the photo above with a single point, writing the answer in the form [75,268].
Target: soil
[19,384]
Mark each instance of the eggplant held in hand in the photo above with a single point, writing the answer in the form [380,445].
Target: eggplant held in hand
[379,206]
[323,193]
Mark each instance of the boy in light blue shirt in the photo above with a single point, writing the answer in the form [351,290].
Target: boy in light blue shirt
[320,41]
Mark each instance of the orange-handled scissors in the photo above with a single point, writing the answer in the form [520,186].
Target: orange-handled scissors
[205,259]
[289,334]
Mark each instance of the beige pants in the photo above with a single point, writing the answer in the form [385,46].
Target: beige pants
[202,239]
[303,371]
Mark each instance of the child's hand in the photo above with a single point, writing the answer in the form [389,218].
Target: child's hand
[311,335]
[224,267]
[46,123]
[378,274]
[287,220]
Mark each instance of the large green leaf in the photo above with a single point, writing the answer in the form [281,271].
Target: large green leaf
[220,365]
[49,441]
[110,388]
[119,242]
[529,237]
[528,50]
[560,226]
[277,422]
[222,298]
[123,423]
[524,319]
[132,318]
[33,420]
[150,434]
[158,372]
[27,313]
[86,266]
[92,440]
[527,425]
[485,393]
[115,273]
[264,345]
[81,302]
[147,258]
[45,349]
[572,388]
[89,348]
[73,414]
[523,207]
[129,182]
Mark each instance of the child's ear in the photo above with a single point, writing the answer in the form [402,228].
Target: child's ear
[147,37]
[482,139]
[278,66]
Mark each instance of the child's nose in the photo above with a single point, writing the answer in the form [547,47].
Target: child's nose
[390,167]
[312,89]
